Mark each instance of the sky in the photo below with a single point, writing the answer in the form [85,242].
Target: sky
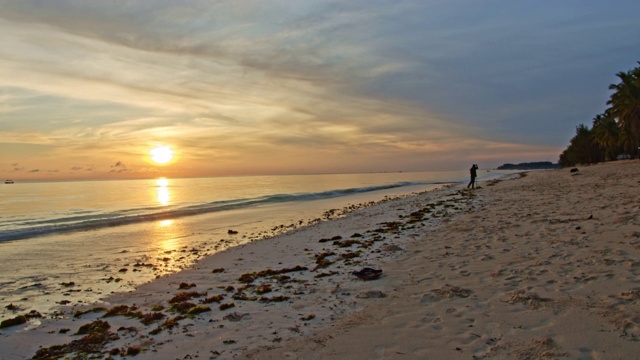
[253,87]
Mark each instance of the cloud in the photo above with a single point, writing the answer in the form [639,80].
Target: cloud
[81,168]
[119,167]
[240,80]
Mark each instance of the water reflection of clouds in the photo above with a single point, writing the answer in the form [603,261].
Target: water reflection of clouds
[163,194]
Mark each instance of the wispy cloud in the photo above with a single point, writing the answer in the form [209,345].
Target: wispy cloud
[238,82]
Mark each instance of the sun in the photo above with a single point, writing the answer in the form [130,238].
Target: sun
[161,154]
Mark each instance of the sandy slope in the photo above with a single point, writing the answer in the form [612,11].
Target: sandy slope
[549,268]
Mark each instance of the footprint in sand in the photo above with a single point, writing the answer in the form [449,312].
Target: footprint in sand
[492,330]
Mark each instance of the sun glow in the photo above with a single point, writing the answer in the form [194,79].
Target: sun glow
[161,154]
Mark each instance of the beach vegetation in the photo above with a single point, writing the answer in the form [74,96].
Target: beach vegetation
[111,279]
[391,226]
[18,320]
[123,310]
[535,165]
[321,260]
[167,324]
[149,318]
[241,295]
[322,256]
[184,296]
[211,299]
[347,243]
[282,278]
[226,306]
[248,278]
[263,289]
[323,274]
[184,286]
[133,351]
[245,287]
[582,148]
[97,336]
[217,270]
[322,264]
[614,132]
[198,309]
[308,317]
[139,264]
[182,307]
[335,238]
[157,308]
[278,298]
[350,255]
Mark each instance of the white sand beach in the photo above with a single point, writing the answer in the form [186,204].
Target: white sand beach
[545,265]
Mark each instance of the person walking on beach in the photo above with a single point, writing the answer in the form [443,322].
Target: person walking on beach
[474,174]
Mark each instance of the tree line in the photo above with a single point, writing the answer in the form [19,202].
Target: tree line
[614,133]
[537,165]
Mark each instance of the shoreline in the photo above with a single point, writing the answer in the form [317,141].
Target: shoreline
[42,273]
[289,250]
[537,266]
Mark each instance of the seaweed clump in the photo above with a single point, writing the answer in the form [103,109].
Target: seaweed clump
[96,337]
[18,320]
[185,296]
[123,310]
[167,324]
[251,277]
[211,299]
[148,319]
[226,306]
[184,286]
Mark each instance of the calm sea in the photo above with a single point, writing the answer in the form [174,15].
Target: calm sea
[106,236]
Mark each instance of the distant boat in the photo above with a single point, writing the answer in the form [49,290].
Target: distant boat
[8,181]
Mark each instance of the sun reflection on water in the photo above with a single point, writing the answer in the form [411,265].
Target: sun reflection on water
[163,195]
[169,240]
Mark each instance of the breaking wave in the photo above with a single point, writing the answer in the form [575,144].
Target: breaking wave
[84,220]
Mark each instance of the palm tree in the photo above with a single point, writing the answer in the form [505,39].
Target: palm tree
[606,134]
[581,150]
[625,106]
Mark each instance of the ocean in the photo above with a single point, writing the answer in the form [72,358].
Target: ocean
[74,242]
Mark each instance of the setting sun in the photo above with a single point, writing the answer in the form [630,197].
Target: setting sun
[161,154]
